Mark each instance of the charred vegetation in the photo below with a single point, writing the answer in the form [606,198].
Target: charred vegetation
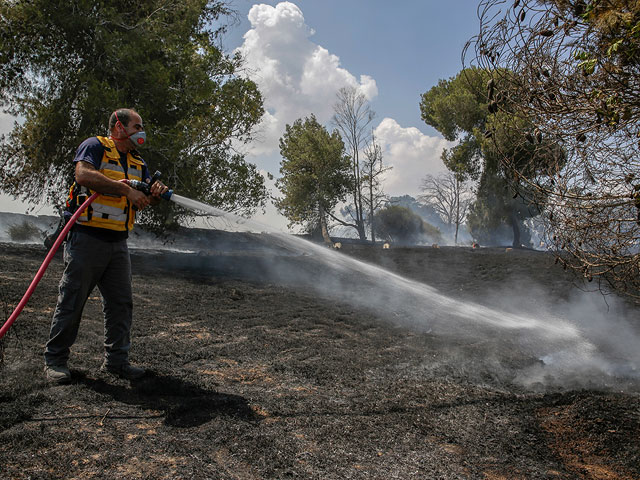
[255,375]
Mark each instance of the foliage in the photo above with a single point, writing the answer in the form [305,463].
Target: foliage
[574,75]
[66,65]
[402,226]
[21,232]
[426,212]
[492,220]
[316,174]
[461,109]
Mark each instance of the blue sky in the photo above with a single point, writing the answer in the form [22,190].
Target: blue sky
[301,52]
[406,46]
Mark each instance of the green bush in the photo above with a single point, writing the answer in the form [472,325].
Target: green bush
[24,231]
[403,226]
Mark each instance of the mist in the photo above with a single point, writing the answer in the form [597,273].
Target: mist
[519,335]
[514,337]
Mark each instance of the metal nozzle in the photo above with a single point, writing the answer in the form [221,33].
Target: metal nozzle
[145,187]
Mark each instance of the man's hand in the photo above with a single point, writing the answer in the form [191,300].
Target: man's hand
[88,176]
[157,189]
[137,198]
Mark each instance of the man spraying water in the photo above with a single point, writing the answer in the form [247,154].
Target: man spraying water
[95,251]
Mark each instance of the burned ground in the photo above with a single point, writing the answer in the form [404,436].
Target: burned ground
[254,375]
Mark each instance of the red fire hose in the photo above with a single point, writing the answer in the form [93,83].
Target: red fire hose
[45,264]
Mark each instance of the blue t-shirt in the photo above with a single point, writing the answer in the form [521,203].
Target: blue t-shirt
[92,151]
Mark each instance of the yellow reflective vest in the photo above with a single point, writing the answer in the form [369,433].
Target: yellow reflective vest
[108,211]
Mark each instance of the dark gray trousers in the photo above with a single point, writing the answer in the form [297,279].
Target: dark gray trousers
[90,262]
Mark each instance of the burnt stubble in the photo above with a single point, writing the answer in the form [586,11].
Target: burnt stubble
[254,376]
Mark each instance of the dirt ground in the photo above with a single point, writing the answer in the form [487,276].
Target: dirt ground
[255,375]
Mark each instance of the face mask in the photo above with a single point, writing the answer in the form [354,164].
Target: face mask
[138,138]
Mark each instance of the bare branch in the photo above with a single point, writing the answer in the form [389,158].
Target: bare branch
[573,68]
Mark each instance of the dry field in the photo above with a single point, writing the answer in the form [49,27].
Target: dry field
[254,373]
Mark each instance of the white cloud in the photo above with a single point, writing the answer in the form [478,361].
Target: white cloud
[412,155]
[296,76]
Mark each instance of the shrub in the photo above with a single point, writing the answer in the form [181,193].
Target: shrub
[24,231]
[403,226]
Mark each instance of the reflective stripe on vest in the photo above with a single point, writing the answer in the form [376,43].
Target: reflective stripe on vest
[110,211]
[132,171]
[107,212]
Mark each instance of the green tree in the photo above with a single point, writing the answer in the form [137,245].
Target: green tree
[402,226]
[574,73]
[316,174]
[464,108]
[66,65]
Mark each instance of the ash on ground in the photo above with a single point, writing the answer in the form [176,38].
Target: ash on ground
[257,375]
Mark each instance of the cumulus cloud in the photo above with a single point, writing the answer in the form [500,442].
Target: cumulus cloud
[412,155]
[296,76]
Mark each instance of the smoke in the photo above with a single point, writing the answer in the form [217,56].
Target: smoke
[521,335]
[27,229]
[512,338]
[608,355]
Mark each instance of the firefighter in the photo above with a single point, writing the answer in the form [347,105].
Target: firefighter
[95,251]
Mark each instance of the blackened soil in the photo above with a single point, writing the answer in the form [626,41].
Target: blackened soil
[252,378]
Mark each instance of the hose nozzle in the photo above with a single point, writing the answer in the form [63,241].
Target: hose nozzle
[145,187]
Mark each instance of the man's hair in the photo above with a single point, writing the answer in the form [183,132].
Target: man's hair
[123,114]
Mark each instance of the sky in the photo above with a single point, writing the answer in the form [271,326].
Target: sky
[301,52]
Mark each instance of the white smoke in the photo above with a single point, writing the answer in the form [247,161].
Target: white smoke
[520,335]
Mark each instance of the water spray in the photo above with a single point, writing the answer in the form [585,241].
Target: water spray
[563,345]
[558,344]
[141,186]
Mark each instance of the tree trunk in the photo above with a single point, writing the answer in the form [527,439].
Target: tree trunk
[457,193]
[323,228]
[359,209]
[373,233]
[361,231]
[357,197]
[516,229]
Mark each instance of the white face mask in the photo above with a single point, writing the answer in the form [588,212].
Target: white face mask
[138,138]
